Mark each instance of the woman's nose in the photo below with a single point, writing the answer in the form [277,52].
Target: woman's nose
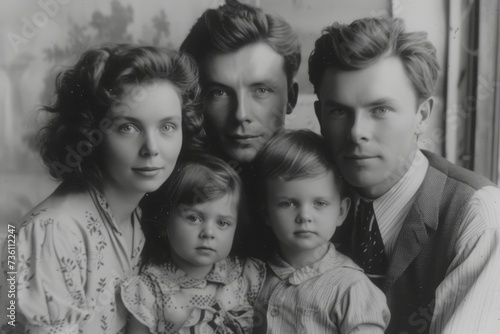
[150,146]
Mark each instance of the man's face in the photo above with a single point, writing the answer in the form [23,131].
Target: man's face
[246,97]
[371,118]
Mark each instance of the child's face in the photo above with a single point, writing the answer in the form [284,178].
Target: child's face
[141,147]
[304,213]
[202,234]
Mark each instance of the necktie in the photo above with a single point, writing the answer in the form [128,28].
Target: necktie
[368,247]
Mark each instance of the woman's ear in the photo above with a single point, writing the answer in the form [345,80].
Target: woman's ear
[345,204]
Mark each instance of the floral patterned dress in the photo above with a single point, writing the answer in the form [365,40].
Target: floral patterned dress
[167,300]
[72,259]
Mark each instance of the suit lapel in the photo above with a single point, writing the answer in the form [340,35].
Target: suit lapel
[423,214]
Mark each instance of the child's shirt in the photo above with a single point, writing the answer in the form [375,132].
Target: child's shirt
[167,300]
[333,295]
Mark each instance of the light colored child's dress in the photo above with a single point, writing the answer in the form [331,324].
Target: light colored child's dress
[167,300]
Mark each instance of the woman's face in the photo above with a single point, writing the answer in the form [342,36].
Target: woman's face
[141,146]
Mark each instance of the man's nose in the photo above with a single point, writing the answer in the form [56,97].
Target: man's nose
[243,111]
[360,126]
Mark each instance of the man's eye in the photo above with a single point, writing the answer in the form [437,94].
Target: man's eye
[128,128]
[338,112]
[261,91]
[218,93]
[380,111]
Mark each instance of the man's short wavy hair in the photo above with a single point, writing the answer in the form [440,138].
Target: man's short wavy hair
[232,26]
[85,93]
[365,41]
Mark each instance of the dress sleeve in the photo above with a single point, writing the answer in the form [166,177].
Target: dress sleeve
[240,319]
[254,274]
[362,309]
[52,269]
[138,296]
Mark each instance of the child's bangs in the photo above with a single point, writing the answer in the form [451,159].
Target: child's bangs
[200,185]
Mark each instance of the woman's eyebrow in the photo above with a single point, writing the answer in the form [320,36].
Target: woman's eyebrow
[135,119]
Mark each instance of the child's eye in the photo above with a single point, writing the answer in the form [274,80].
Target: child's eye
[193,218]
[285,204]
[320,204]
[223,224]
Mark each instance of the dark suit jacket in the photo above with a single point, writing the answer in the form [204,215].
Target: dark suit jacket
[425,245]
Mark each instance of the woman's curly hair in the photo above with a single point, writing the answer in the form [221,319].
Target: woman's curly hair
[69,143]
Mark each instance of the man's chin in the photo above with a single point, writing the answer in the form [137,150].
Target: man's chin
[242,156]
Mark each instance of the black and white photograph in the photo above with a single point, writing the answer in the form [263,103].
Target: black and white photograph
[250,166]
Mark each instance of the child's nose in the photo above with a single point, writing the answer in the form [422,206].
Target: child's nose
[207,231]
[304,216]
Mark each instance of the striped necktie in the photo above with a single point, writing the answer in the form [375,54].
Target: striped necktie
[368,247]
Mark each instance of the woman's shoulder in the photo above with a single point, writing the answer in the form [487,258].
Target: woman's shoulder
[61,205]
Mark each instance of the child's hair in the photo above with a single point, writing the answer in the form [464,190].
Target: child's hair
[196,180]
[69,143]
[297,154]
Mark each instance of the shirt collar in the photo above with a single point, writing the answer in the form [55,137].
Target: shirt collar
[404,190]
[102,204]
[223,272]
[392,207]
[294,276]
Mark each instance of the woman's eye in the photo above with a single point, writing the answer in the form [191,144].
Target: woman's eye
[168,127]
[128,128]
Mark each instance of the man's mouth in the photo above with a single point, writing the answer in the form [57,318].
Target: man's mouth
[242,137]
